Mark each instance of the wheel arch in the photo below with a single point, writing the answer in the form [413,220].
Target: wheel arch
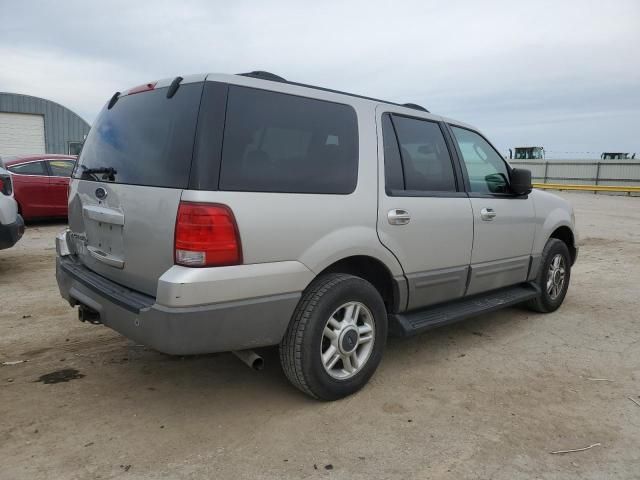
[555,223]
[393,290]
[357,250]
[565,234]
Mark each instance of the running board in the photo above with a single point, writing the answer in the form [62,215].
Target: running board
[411,323]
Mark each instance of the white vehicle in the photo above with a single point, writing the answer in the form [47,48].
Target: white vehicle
[11,223]
[228,212]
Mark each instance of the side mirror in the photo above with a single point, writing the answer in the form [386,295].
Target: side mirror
[521,181]
[497,182]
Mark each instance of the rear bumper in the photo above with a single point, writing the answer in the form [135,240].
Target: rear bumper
[219,327]
[11,233]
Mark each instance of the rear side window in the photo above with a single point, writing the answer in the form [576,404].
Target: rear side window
[426,162]
[33,168]
[144,139]
[275,142]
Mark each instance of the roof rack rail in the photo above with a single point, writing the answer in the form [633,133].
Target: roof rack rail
[261,74]
[415,106]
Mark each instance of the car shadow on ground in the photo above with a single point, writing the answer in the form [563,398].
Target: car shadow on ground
[220,379]
[45,222]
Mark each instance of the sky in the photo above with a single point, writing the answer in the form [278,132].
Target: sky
[561,74]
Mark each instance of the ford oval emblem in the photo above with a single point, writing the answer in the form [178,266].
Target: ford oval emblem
[101,193]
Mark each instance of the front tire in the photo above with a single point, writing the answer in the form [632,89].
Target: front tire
[553,277]
[336,337]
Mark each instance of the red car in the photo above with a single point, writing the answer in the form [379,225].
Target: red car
[40,183]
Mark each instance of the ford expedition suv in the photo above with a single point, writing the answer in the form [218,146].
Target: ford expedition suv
[228,212]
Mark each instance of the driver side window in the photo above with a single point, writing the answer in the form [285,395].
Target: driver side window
[487,170]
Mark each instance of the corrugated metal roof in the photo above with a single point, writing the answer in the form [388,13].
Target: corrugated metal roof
[61,125]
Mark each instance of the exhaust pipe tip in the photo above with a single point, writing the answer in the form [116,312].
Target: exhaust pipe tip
[258,363]
[250,358]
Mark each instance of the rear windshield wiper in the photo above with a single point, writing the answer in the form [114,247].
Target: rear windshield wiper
[109,173]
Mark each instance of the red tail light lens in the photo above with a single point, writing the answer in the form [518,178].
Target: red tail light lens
[5,185]
[206,236]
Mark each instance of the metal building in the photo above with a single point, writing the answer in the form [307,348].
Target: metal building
[30,125]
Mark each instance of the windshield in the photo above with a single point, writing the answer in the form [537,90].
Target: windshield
[144,139]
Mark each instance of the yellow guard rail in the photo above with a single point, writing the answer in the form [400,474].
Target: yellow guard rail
[588,188]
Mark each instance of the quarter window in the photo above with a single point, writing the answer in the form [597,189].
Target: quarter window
[275,142]
[32,168]
[425,158]
[488,172]
[394,177]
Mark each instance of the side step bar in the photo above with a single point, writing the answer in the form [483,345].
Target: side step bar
[411,323]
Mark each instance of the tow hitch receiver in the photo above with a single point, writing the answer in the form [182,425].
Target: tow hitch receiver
[86,314]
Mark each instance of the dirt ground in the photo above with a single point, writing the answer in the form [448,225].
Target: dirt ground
[489,398]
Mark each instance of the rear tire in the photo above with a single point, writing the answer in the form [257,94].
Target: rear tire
[336,337]
[553,277]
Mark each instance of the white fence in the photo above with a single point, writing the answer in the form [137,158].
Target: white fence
[578,172]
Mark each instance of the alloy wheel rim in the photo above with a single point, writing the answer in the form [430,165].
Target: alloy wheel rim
[347,340]
[556,276]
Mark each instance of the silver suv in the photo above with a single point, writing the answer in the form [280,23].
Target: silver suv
[228,212]
[11,223]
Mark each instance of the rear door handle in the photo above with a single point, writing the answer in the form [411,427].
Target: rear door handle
[487,214]
[398,216]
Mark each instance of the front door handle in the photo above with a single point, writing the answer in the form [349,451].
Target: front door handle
[487,214]
[398,216]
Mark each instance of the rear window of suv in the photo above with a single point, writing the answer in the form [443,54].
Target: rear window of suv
[144,139]
[275,142]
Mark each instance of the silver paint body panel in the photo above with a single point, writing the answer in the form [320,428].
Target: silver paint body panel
[434,247]
[133,226]
[501,246]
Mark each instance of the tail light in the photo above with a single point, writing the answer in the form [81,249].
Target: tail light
[145,87]
[6,186]
[206,236]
